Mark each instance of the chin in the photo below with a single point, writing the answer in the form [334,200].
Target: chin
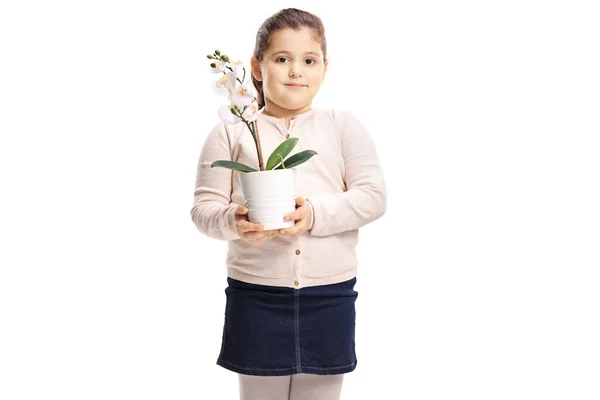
[295,107]
[289,105]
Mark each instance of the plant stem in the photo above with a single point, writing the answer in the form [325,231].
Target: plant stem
[258,147]
[282,164]
[253,128]
[236,78]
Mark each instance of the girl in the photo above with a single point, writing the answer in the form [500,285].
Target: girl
[289,330]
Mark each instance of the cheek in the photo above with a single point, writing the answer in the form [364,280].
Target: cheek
[274,73]
[319,74]
[271,79]
[271,87]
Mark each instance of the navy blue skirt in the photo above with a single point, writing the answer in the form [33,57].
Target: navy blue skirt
[273,331]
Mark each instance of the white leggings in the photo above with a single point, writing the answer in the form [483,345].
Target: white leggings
[291,387]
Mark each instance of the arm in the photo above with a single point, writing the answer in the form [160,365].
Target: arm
[212,211]
[365,199]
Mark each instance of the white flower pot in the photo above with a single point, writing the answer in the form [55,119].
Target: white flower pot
[269,196]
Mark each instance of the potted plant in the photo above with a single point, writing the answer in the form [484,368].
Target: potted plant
[270,192]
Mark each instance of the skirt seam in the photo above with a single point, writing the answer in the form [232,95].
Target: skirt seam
[255,369]
[221,361]
[297,317]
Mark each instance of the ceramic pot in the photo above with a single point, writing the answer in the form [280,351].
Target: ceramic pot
[269,196]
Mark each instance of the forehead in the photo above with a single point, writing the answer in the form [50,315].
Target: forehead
[294,41]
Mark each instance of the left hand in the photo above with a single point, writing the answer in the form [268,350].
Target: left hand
[302,216]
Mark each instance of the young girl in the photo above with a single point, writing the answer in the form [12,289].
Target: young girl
[290,310]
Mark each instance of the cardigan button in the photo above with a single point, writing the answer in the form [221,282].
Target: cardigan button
[297,251]
[296,283]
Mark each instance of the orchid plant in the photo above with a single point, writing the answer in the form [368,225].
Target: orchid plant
[243,107]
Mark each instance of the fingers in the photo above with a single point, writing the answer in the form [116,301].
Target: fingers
[255,232]
[242,221]
[300,213]
[241,210]
[259,237]
[251,232]
[292,232]
[298,229]
[247,226]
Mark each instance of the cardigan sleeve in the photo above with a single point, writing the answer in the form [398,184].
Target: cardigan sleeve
[212,211]
[365,199]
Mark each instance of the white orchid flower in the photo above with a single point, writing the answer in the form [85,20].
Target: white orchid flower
[251,113]
[227,116]
[225,86]
[219,66]
[238,67]
[244,95]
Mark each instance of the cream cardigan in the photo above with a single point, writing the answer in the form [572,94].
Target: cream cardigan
[343,184]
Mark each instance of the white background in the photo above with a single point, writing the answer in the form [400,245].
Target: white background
[480,282]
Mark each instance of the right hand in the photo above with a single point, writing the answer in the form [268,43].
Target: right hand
[251,232]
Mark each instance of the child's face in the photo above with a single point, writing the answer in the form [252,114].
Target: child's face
[293,57]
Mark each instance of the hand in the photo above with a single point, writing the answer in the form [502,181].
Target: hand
[251,232]
[303,217]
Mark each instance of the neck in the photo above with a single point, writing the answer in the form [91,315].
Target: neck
[274,110]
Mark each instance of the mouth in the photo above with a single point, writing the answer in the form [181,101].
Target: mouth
[294,85]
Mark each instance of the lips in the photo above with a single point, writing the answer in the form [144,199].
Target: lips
[294,85]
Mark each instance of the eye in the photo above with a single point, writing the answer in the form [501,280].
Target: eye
[281,58]
[311,59]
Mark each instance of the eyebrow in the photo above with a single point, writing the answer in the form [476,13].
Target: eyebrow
[287,52]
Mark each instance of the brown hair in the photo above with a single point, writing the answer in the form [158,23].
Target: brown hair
[286,18]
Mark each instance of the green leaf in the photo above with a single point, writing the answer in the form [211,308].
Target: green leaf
[232,165]
[298,159]
[283,149]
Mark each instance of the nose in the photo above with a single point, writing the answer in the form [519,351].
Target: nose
[295,72]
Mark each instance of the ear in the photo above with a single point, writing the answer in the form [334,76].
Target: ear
[256,71]
[324,70]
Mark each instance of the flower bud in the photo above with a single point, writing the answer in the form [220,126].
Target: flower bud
[213,65]
[225,58]
[209,57]
[217,52]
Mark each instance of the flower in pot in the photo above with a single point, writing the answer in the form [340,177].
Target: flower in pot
[269,193]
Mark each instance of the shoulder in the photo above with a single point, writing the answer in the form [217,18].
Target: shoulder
[225,131]
[346,121]
[343,119]
[217,136]
[335,114]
